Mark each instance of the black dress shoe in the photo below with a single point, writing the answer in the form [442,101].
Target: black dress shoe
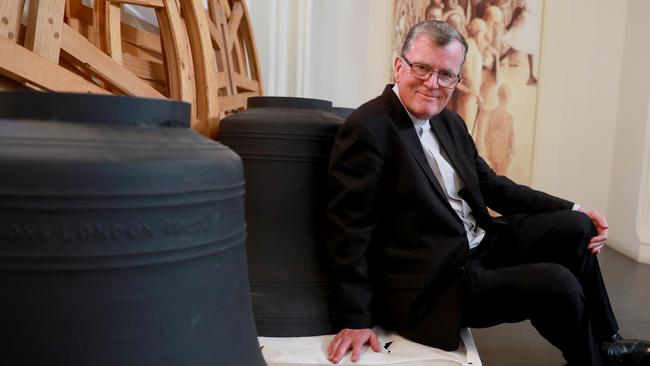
[625,352]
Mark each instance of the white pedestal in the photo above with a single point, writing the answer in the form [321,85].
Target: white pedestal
[312,351]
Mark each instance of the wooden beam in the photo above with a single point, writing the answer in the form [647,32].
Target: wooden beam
[11,11]
[78,47]
[83,28]
[245,83]
[22,65]
[232,103]
[205,69]
[218,40]
[144,69]
[8,84]
[219,32]
[233,23]
[113,31]
[251,50]
[146,3]
[140,52]
[141,38]
[76,9]
[44,24]
[178,54]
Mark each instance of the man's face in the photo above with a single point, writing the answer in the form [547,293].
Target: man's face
[425,98]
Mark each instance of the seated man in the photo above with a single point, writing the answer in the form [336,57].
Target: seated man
[413,248]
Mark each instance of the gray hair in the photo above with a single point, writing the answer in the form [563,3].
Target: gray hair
[439,32]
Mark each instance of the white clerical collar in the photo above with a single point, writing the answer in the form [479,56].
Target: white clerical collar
[416,121]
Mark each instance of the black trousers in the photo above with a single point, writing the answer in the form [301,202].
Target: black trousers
[542,271]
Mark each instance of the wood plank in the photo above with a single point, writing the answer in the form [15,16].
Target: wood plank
[216,36]
[200,127]
[230,63]
[141,38]
[11,11]
[205,69]
[218,40]
[178,54]
[232,103]
[77,47]
[233,23]
[82,28]
[222,79]
[219,11]
[44,24]
[240,58]
[251,50]
[225,5]
[76,9]
[22,65]
[113,31]
[242,81]
[140,52]
[159,85]
[146,3]
[99,24]
[149,70]
[8,84]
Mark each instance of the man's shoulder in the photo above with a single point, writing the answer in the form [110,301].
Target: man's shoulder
[377,113]
[374,107]
[452,118]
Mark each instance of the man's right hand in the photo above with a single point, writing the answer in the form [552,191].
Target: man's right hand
[354,339]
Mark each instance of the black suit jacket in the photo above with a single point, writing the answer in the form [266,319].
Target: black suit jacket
[397,249]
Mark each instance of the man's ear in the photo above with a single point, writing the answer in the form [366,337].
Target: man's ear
[397,65]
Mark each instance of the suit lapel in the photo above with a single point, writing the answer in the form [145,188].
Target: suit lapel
[412,141]
[460,163]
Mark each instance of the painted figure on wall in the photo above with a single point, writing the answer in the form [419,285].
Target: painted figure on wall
[500,132]
[497,93]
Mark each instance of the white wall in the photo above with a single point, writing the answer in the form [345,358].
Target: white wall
[338,50]
[580,70]
[629,194]
[593,95]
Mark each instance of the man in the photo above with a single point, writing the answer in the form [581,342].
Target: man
[413,248]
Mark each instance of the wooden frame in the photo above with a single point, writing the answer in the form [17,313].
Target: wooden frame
[204,57]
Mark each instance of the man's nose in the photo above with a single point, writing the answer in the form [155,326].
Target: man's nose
[432,81]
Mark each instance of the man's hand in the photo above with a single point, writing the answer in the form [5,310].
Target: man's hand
[597,242]
[351,338]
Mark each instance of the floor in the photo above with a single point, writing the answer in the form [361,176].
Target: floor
[628,284]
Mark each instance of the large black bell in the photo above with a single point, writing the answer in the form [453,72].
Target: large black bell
[122,236]
[285,145]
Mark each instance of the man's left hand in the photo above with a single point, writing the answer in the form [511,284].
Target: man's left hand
[597,242]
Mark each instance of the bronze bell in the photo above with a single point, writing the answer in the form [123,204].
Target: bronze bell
[122,236]
[285,144]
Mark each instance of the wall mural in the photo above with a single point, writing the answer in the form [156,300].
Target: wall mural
[497,97]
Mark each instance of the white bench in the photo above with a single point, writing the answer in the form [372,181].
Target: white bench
[312,351]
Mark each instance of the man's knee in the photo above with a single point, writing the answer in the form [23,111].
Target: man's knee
[562,286]
[582,223]
[576,227]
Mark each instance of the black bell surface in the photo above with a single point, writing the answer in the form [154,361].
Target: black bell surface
[122,236]
[285,145]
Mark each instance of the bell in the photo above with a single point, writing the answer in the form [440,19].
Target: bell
[122,236]
[285,145]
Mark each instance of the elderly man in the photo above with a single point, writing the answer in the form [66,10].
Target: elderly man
[413,248]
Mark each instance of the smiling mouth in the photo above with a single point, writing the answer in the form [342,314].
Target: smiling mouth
[428,96]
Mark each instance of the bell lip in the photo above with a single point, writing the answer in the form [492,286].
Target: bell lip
[94,108]
[289,102]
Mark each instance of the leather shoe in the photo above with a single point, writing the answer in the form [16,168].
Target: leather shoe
[625,352]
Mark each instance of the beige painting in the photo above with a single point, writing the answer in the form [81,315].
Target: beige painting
[498,93]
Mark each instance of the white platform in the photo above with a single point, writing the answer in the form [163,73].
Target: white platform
[312,351]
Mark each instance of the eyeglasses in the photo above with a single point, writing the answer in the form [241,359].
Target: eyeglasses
[424,72]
